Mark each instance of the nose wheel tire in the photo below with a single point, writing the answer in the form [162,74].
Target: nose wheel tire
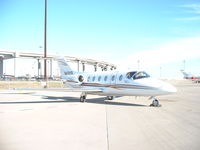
[83,99]
[155,103]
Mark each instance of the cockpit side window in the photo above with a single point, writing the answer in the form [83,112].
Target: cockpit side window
[129,75]
[140,75]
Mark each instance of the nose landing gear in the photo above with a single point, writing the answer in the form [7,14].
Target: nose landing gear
[83,97]
[155,102]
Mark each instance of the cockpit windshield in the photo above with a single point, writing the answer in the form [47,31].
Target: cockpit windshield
[140,75]
[137,75]
[129,75]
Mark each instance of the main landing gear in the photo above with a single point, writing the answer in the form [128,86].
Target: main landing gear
[83,97]
[155,102]
[110,97]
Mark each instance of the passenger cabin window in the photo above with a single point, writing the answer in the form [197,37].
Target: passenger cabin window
[93,78]
[99,79]
[120,77]
[88,79]
[105,78]
[113,78]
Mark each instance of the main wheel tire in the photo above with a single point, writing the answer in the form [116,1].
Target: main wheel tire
[82,99]
[110,97]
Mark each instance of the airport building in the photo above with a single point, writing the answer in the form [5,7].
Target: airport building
[20,64]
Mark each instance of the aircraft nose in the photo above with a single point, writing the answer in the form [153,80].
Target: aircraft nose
[168,88]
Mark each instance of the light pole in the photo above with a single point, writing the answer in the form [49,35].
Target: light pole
[184,65]
[138,62]
[160,72]
[45,42]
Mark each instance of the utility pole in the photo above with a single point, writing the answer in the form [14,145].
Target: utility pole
[184,64]
[45,42]
[138,62]
[160,72]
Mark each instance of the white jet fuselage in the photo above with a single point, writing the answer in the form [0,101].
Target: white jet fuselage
[110,84]
[120,84]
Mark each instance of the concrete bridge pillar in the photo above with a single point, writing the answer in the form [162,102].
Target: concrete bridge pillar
[95,67]
[1,66]
[78,65]
[83,66]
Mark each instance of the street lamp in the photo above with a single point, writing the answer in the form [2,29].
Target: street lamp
[184,65]
[160,72]
[138,62]
[45,41]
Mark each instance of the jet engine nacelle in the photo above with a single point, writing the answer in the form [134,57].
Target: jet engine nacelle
[80,78]
[74,81]
[76,78]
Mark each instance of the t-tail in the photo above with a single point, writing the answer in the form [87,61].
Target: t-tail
[65,70]
[186,75]
[70,77]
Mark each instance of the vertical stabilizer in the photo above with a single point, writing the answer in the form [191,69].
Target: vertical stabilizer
[65,69]
[186,75]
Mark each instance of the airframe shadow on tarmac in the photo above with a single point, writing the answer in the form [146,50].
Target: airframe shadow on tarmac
[68,99]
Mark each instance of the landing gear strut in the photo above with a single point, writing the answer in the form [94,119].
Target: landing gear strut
[155,102]
[83,98]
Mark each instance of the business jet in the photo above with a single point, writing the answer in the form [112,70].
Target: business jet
[191,76]
[112,83]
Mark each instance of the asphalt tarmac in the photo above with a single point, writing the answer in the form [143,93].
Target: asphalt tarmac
[31,120]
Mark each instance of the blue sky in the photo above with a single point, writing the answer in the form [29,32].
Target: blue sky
[160,34]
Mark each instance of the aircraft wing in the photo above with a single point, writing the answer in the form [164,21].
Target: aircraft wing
[63,89]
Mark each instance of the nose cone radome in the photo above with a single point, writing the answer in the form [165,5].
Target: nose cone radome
[168,88]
